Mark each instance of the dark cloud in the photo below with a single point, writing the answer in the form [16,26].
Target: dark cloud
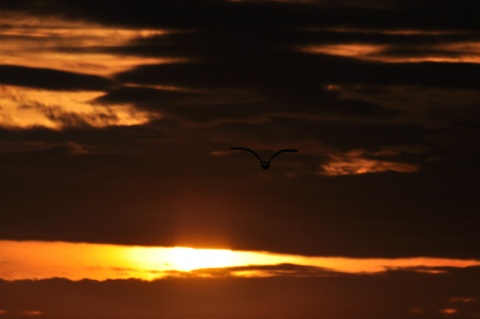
[403,295]
[136,151]
[263,14]
[49,79]
[239,212]
[280,270]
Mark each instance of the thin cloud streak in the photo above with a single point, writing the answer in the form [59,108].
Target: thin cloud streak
[358,162]
[395,45]
[71,46]
[463,52]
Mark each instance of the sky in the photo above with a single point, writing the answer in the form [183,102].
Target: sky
[117,177]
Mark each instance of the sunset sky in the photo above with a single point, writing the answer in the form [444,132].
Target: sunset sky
[121,198]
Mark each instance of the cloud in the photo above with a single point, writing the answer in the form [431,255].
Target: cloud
[358,162]
[461,307]
[404,295]
[146,91]
[262,271]
[397,45]
[75,261]
[79,69]
[68,45]
[46,155]
[43,78]
[20,313]
[28,108]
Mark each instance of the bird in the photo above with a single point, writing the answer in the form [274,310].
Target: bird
[265,164]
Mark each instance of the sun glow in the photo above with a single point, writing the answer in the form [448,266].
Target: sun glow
[186,259]
[180,258]
[76,261]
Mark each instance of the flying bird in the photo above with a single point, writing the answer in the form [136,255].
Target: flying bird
[265,164]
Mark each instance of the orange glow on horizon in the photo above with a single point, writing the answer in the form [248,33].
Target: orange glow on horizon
[186,259]
[76,261]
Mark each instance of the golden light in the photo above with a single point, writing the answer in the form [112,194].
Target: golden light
[186,259]
[178,258]
[77,261]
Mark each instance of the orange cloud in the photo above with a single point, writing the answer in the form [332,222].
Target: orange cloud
[449,311]
[356,162]
[463,299]
[27,108]
[60,44]
[460,51]
[66,45]
[357,50]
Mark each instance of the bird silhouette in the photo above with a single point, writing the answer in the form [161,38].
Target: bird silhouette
[265,164]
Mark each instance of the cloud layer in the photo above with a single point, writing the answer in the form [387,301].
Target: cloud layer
[393,295]
[115,125]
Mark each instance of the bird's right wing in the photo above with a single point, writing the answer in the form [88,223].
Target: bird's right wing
[281,151]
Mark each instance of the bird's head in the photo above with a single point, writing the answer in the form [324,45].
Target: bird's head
[265,165]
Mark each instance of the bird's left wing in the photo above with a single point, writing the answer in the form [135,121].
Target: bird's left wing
[248,150]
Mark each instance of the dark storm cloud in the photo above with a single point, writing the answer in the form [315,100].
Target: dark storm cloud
[391,295]
[291,70]
[267,76]
[44,78]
